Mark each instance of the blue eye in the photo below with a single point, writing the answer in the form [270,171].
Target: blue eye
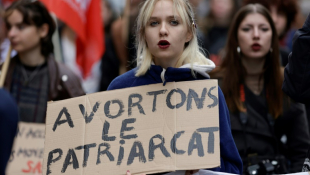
[154,23]
[174,22]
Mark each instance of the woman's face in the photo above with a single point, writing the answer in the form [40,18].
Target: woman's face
[254,36]
[166,34]
[23,37]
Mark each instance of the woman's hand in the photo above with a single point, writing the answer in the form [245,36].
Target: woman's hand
[128,173]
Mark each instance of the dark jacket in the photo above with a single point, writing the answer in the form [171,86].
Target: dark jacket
[230,159]
[259,136]
[297,73]
[63,83]
[8,126]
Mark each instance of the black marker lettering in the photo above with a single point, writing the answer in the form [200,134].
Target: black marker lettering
[162,147]
[107,108]
[125,128]
[173,143]
[131,104]
[67,162]
[199,101]
[50,159]
[183,98]
[120,153]
[89,118]
[105,132]
[86,152]
[211,131]
[155,93]
[215,100]
[68,119]
[134,153]
[191,146]
[105,151]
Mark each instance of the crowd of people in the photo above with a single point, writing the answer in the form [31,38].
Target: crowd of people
[254,48]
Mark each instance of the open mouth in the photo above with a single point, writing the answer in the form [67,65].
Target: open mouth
[256,47]
[163,44]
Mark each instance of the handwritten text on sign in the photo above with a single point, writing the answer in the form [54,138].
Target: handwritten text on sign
[27,152]
[148,129]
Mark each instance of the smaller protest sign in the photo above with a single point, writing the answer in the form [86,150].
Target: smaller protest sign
[27,152]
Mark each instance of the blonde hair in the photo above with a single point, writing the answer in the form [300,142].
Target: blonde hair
[192,52]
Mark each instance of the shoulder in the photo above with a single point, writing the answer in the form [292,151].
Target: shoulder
[70,80]
[63,70]
[123,81]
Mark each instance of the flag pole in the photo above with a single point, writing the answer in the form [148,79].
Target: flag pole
[5,67]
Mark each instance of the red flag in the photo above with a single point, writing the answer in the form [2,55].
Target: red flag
[83,16]
[6,3]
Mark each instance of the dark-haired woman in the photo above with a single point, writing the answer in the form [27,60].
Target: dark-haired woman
[34,77]
[269,129]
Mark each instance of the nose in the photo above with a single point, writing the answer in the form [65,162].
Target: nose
[163,29]
[256,33]
[11,32]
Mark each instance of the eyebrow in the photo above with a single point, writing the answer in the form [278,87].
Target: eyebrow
[169,17]
[18,23]
[260,25]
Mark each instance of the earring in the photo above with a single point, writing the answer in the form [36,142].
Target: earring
[194,25]
[270,49]
[238,49]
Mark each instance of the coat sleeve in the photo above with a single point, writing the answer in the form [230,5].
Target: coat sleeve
[297,72]
[298,140]
[8,126]
[230,159]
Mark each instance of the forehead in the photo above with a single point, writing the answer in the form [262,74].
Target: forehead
[164,8]
[255,19]
[15,17]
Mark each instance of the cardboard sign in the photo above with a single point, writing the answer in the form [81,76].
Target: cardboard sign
[27,152]
[145,129]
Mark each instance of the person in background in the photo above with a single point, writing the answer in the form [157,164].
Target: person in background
[297,73]
[168,51]
[121,54]
[283,13]
[8,127]
[4,42]
[215,27]
[110,61]
[266,125]
[34,77]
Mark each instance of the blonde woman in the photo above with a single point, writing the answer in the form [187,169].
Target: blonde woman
[167,51]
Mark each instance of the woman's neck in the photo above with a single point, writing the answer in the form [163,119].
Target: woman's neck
[32,58]
[166,63]
[253,79]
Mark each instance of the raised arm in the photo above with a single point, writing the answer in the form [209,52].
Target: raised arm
[297,72]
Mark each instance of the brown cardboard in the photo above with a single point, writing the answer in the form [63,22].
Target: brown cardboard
[65,140]
[27,151]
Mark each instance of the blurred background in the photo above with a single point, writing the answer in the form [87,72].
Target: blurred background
[118,17]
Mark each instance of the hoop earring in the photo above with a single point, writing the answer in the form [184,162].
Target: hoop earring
[238,50]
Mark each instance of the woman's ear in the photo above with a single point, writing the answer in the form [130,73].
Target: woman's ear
[43,30]
[189,36]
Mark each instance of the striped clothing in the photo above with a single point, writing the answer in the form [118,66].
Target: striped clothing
[31,97]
